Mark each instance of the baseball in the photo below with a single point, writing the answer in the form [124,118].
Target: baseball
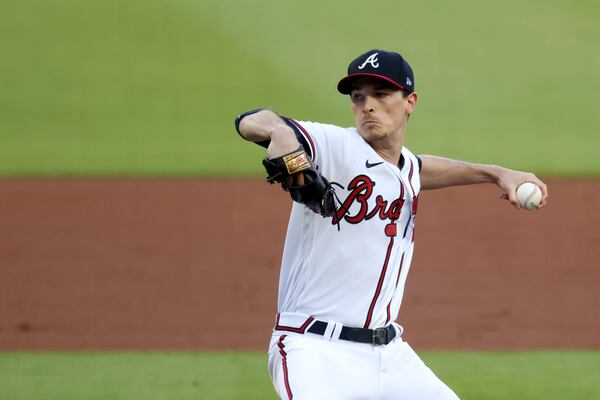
[529,195]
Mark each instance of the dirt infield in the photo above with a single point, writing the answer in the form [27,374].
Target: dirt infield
[177,264]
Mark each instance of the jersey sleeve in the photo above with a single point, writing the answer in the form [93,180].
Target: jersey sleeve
[238,119]
[301,134]
[325,144]
[412,171]
[307,139]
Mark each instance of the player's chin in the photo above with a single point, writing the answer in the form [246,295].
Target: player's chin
[371,131]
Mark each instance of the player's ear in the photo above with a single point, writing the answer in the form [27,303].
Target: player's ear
[411,100]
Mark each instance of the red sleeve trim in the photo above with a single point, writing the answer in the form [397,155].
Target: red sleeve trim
[410,175]
[307,136]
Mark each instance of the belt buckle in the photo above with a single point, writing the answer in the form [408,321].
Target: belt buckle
[380,336]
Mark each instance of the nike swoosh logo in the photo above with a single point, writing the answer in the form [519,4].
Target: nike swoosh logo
[369,165]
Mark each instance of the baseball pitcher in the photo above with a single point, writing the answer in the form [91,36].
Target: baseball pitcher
[350,237]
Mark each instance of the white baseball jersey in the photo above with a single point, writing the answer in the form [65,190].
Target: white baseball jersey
[351,268]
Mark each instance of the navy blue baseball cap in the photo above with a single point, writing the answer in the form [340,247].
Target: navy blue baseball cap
[387,65]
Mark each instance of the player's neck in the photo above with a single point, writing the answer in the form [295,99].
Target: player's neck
[389,148]
[390,152]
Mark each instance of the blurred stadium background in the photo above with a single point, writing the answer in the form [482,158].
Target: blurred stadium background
[132,89]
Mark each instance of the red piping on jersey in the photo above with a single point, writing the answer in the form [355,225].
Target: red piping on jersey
[414,207]
[410,174]
[395,287]
[302,329]
[312,144]
[284,365]
[380,283]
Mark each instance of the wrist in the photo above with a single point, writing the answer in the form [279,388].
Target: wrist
[492,173]
[283,141]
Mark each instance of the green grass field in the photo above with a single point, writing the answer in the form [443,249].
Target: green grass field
[130,87]
[243,376]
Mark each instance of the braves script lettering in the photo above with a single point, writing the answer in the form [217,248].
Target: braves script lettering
[361,189]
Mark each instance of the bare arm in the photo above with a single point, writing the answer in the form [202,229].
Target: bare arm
[438,172]
[268,125]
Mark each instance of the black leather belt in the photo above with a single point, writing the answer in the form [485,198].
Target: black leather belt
[361,335]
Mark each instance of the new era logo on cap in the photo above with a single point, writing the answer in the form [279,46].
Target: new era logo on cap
[387,65]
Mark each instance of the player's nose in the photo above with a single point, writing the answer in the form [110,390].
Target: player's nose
[369,104]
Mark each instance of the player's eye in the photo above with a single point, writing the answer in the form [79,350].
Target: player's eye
[356,97]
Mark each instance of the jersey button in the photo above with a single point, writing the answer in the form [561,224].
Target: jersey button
[391,229]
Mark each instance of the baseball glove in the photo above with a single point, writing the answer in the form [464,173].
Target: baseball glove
[315,191]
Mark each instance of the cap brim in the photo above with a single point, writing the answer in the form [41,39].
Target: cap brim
[345,84]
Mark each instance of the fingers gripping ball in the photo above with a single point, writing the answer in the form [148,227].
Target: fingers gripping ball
[529,195]
[313,190]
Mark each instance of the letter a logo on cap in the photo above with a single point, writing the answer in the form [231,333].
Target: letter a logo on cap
[371,60]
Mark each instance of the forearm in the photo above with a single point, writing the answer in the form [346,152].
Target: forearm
[267,125]
[438,172]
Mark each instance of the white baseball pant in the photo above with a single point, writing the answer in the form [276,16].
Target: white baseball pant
[310,367]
